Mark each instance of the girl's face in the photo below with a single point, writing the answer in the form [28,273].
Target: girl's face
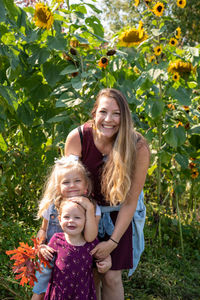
[73,184]
[72,218]
[107,117]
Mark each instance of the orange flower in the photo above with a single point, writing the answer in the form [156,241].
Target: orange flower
[179,124]
[103,62]
[195,173]
[171,106]
[26,262]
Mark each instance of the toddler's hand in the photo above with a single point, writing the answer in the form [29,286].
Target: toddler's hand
[104,265]
[47,252]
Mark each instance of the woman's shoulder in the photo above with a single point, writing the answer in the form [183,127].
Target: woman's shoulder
[141,142]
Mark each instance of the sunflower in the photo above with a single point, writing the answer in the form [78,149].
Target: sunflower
[181,3]
[158,50]
[176,76]
[103,62]
[171,106]
[133,36]
[195,173]
[137,2]
[179,124]
[43,16]
[111,52]
[152,58]
[180,67]
[178,33]
[158,9]
[173,42]
[186,108]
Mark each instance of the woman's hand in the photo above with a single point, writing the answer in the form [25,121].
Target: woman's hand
[47,252]
[103,249]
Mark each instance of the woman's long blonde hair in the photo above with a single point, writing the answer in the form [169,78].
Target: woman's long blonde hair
[52,192]
[118,170]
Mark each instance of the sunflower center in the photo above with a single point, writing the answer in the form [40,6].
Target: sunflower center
[159,8]
[41,15]
[104,60]
[132,36]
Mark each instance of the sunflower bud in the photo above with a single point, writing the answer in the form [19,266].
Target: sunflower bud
[73,51]
[111,52]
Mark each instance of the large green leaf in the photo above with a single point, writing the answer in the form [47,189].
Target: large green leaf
[3,145]
[182,160]
[95,24]
[25,114]
[181,94]
[69,69]
[195,129]
[175,137]
[51,72]
[9,96]
[2,11]
[57,42]
[39,55]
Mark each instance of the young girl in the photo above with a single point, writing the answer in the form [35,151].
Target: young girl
[67,179]
[72,276]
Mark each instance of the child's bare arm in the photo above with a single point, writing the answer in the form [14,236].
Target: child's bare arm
[41,235]
[104,265]
[91,224]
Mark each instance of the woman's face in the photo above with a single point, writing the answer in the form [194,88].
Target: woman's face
[107,117]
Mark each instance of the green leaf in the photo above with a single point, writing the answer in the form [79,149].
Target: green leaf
[95,24]
[195,141]
[3,144]
[194,129]
[157,108]
[9,95]
[175,137]
[94,8]
[39,55]
[76,83]
[69,69]
[57,43]
[51,72]
[182,160]
[2,11]
[59,118]
[181,94]
[25,114]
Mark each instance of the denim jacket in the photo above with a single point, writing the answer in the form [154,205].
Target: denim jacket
[53,225]
[106,226]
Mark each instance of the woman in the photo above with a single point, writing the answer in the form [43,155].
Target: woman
[117,158]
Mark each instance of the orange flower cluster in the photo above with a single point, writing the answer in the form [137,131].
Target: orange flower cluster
[26,262]
[193,167]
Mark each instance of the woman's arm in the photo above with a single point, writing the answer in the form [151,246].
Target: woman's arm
[128,208]
[73,143]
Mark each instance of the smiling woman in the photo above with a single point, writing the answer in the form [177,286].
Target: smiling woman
[117,158]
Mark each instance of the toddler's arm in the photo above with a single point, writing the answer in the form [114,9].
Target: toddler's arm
[91,224]
[47,252]
[104,265]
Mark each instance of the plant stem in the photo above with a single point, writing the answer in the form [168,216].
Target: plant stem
[180,226]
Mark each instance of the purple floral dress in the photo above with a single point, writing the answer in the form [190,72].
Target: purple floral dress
[72,276]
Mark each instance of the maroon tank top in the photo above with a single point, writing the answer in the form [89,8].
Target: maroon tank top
[93,160]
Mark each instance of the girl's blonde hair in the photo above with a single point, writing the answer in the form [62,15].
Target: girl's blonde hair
[52,187]
[118,170]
